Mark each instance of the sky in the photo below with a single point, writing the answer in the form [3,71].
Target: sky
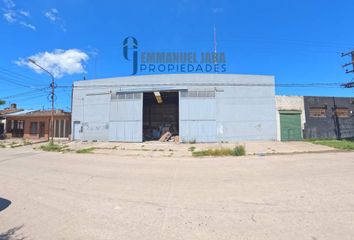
[297,41]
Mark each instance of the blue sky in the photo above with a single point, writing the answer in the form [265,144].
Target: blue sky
[298,41]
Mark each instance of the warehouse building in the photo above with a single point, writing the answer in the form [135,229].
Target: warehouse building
[191,107]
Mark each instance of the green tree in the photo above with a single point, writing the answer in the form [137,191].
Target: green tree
[2,102]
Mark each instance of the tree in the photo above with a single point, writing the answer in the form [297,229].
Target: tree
[2,102]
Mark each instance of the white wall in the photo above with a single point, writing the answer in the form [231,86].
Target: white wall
[246,113]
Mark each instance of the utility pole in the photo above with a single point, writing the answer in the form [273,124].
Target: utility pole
[350,84]
[336,120]
[51,125]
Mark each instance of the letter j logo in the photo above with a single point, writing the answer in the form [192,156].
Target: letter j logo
[130,52]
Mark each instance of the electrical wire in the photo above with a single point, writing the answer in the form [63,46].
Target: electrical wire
[23,93]
[14,81]
[16,75]
[38,95]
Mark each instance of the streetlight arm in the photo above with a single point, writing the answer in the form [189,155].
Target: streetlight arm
[35,63]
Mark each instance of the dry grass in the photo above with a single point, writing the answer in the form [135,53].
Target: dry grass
[236,151]
[86,150]
[51,147]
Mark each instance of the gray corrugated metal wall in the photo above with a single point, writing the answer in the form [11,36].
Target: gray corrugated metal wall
[96,126]
[243,107]
[197,116]
[246,113]
[126,118]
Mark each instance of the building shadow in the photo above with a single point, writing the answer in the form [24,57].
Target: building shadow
[12,234]
[4,203]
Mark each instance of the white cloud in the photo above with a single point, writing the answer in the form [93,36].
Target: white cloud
[28,25]
[13,15]
[10,16]
[53,16]
[24,13]
[59,62]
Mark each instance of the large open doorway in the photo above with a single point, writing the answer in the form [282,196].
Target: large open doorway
[160,115]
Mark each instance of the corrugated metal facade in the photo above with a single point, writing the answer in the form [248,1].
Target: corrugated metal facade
[198,115]
[126,117]
[212,108]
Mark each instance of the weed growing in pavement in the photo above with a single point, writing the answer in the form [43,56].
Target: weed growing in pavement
[236,151]
[191,149]
[52,147]
[86,150]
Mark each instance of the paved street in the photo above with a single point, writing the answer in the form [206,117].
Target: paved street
[96,196]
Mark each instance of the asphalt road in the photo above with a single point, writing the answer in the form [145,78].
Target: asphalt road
[94,196]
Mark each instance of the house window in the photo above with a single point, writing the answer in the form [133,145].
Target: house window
[318,112]
[17,124]
[20,124]
[34,128]
[342,112]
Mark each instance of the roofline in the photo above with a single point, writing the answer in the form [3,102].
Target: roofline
[38,115]
[176,74]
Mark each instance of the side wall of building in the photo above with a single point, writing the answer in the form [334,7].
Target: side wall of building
[246,113]
[90,114]
[328,125]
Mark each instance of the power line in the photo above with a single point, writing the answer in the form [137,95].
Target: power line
[17,75]
[23,93]
[17,80]
[30,96]
[12,80]
[38,95]
[294,42]
[349,84]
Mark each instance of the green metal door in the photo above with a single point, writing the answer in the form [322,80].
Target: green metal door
[290,126]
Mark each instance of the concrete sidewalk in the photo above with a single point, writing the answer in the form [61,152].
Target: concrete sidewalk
[163,149]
